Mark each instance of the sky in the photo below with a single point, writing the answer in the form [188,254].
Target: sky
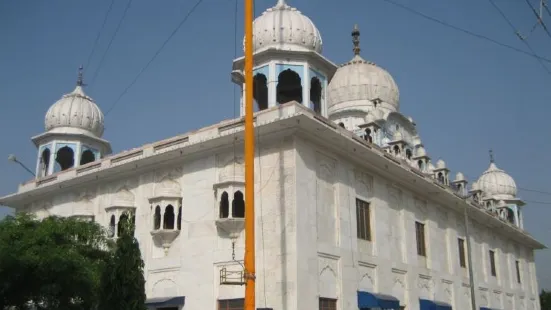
[466,94]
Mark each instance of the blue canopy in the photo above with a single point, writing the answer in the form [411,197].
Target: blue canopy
[370,300]
[486,308]
[166,302]
[426,304]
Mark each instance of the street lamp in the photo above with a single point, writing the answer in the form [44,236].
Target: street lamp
[12,158]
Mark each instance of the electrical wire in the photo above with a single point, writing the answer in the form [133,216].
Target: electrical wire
[538,17]
[483,37]
[518,35]
[154,56]
[99,34]
[111,41]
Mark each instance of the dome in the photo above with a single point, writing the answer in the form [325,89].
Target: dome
[459,177]
[285,28]
[440,164]
[420,151]
[359,82]
[75,111]
[494,182]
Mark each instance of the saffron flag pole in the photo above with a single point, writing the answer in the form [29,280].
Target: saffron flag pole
[250,272]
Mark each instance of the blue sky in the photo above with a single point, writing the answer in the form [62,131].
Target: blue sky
[466,94]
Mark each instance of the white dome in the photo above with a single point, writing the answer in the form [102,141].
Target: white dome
[75,111]
[495,183]
[362,81]
[459,177]
[420,151]
[440,164]
[285,28]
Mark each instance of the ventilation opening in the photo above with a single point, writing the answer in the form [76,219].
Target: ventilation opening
[315,94]
[87,157]
[289,87]
[65,158]
[260,91]
[238,205]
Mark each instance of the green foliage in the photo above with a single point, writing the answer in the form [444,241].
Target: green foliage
[545,300]
[55,263]
[123,283]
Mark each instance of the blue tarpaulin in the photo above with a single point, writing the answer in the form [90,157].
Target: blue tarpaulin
[161,302]
[368,300]
[426,304]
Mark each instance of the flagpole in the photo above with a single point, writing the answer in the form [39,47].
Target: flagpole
[250,272]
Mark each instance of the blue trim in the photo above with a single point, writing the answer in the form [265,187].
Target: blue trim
[166,301]
[486,308]
[425,304]
[370,300]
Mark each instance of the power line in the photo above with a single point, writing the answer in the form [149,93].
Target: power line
[99,34]
[111,41]
[519,36]
[483,37]
[539,20]
[155,55]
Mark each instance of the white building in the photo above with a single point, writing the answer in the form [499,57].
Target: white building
[350,211]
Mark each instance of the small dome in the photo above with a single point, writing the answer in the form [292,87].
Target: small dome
[420,151]
[233,171]
[430,167]
[474,186]
[440,164]
[459,177]
[75,111]
[359,82]
[285,28]
[168,188]
[370,118]
[417,141]
[494,182]
[397,136]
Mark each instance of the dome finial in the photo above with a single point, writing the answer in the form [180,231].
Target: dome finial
[356,39]
[80,81]
[491,156]
[280,3]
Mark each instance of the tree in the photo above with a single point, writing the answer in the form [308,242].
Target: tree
[55,263]
[545,300]
[123,283]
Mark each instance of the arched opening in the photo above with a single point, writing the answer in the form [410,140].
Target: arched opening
[133,223]
[180,218]
[396,150]
[260,91]
[112,226]
[238,205]
[289,87]
[87,157]
[45,162]
[122,222]
[157,218]
[409,154]
[65,157]
[441,177]
[168,219]
[342,124]
[368,136]
[224,206]
[420,165]
[510,215]
[315,94]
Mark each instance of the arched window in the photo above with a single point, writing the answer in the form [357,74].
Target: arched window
[420,164]
[112,226]
[368,136]
[180,218]
[238,205]
[168,220]
[224,206]
[260,91]
[87,157]
[65,157]
[408,154]
[289,87]
[396,150]
[157,218]
[123,221]
[341,124]
[133,223]
[510,216]
[315,94]
[440,177]
[45,162]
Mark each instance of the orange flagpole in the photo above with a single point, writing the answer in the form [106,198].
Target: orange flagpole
[250,272]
